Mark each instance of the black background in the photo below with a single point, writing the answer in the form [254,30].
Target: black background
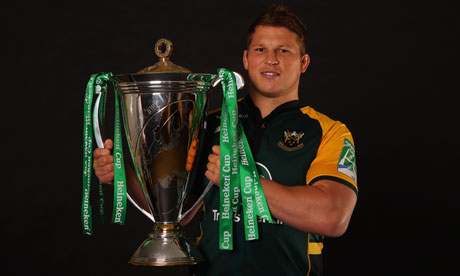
[387,69]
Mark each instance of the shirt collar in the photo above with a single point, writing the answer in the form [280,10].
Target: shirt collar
[254,110]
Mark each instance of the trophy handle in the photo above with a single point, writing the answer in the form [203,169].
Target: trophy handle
[100,144]
[239,84]
[238,78]
[96,127]
[198,201]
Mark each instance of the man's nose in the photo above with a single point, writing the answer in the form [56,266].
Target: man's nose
[271,58]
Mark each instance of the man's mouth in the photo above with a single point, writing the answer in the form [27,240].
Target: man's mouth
[270,73]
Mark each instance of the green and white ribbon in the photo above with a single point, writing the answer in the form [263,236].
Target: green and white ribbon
[98,84]
[239,178]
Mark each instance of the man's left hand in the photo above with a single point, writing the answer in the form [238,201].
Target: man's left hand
[213,172]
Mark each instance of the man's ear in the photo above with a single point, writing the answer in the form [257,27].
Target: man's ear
[245,59]
[304,63]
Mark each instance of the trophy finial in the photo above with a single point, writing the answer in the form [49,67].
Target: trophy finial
[164,64]
[158,48]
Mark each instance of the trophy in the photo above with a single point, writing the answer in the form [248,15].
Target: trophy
[163,108]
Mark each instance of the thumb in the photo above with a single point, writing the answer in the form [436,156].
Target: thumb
[108,144]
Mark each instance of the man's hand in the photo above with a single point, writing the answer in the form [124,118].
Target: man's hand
[103,162]
[213,172]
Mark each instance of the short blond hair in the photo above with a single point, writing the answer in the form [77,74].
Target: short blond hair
[280,16]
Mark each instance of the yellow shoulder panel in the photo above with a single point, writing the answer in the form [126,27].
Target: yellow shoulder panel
[336,153]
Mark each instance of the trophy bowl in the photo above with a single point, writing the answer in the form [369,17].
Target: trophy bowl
[163,115]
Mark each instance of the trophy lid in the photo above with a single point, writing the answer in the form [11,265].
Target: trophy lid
[166,77]
[164,64]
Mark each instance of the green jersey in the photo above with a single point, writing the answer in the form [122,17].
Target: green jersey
[294,145]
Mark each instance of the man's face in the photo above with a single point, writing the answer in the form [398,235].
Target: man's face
[274,62]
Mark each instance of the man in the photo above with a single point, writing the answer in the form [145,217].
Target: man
[306,161]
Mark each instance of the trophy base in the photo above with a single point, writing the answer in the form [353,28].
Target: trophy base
[166,246]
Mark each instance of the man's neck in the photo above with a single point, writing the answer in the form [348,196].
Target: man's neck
[266,104]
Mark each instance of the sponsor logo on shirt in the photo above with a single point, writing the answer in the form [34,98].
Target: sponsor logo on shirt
[237,218]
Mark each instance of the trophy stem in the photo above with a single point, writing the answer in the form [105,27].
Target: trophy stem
[166,246]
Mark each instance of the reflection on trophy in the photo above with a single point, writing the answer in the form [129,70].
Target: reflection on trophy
[163,107]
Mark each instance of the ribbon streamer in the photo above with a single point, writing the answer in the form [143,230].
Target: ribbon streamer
[98,82]
[239,178]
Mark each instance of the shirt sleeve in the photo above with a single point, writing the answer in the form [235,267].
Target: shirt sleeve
[335,158]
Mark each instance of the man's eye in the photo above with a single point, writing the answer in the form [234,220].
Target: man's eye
[259,49]
[283,51]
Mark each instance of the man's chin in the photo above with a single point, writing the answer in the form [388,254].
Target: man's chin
[267,93]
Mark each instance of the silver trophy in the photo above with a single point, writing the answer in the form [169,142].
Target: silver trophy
[163,107]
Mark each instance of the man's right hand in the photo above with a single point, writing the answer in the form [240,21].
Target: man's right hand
[103,162]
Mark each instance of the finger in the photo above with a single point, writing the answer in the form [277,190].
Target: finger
[103,161]
[214,178]
[100,152]
[214,158]
[104,169]
[107,178]
[216,149]
[104,172]
[211,167]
